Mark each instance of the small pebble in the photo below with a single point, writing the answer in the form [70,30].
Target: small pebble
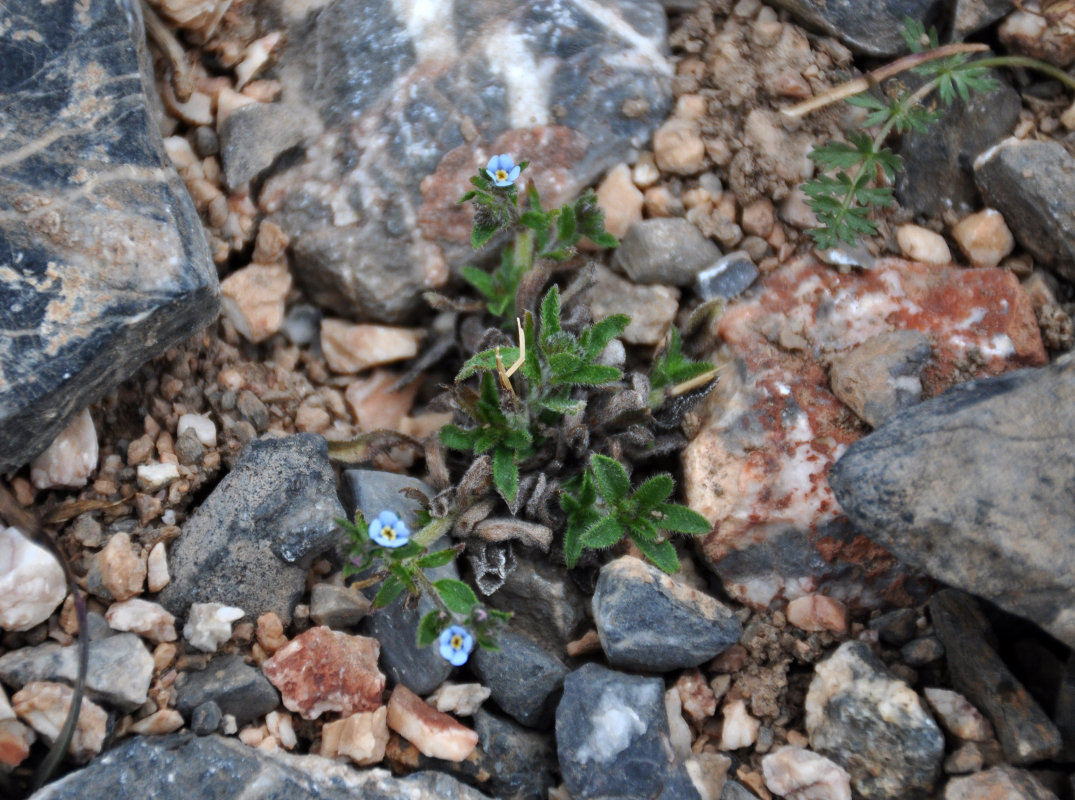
[209,625]
[922,244]
[361,737]
[152,477]
[206,719]
[203,428]
[157,576]
[740,728]
[678,147]
[798,774]
[818,612]
[433,732]
[352,348]
[70,459]
[620,199]
[459,698]
[984,237]
[919,652]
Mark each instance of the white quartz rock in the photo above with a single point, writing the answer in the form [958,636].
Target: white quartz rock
[149,620]
[31,582]
[209,625]
[459,698]
[799,774]
[203,427]
[70,459]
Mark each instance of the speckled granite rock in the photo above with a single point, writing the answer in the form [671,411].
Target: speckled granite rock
[414,102]
[772,428]
[181,766]
[270,516]
[934,486]
[103,260]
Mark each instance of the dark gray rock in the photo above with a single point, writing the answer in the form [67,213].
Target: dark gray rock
[525,681]
[181,766]
[414,104]
[728,277]
[612,736]
[337,606]
[1025,732]
[667,250]
[873,28]
[896,627]
[938,165]
[1064,710]
[269,517]
[734,790]
[254,136]
[873,725]
[105,261]
[1033,185]
[970,16]
[649,621]
[206,719]
[420,669]
[934,487]
[522,762]
[230,683]
[919,652]
[120,669]
[881,376]
[545,602]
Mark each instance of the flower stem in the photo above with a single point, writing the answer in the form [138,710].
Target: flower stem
[435,529]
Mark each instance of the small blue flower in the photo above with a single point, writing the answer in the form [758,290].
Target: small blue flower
[502,170]
[455,645]
[388,530]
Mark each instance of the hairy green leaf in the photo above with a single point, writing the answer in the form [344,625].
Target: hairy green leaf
[653,492]
[589,375]
[391,589]
[429,628]
[459,597]
[437,559]
[611,478]
[681,519]
[505,473]
[483,231]
[663,554]
[455,438]
[606,532]
[550,313]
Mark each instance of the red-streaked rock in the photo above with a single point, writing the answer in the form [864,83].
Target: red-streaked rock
[816,612]
[433,732]
[757,469]
[325,670]
[361,737]
[43,705]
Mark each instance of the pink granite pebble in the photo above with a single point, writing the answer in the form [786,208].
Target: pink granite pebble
[433,732]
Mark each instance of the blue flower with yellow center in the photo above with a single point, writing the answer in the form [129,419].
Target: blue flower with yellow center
[502,170]
[388,530]
[455,645]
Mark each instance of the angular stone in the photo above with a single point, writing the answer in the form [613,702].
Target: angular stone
[873,30]
[1025,732]
[521,762]
[415,102]
[209,625]
[44,706]
[983,237]
[999,783]
[938,177]
[461,699]
[771,429]
[71,458]
[873,725]
[650,622]
[798,774]
[728,277]
[882,375]
[958,716]
[105,262]
[621,201]
[180,765]
[270,516]
[256,135]
[433,732]
[361,737]
[667,250]
[122,571]
[816,612]
[119,674]
[252,298]
[337,606]
[970,16]
[930,488]
[146,619]
[651,308]
[324,670]
[353,348]
[32,582]
[232,685]
[1033,185]
[612,736]
[524,679]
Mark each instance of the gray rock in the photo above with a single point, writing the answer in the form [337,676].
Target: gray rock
[206,719]
[873,725]
[873,29]
[230,683]
[934,487]
[269,517]
[881,376]
[651,308]
[998,783]
[937,174]
[728,277]
[420,669]
[105,261]
[667,250]
[896,627]
[970,16]
[649,621]
[525,681]
[520,761]
[302,325]
[612,736]
[919,652]
[734,790]
[1033,185]
[1025,732]
[254,136]
[120,669]
[337,606]
[413,105]
[545,602]
[180,766]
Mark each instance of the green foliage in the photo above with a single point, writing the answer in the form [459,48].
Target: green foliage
[601,509]
[671,367]
[855,177]
[511,424]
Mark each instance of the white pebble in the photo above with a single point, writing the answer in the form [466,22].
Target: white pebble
[798,774]
[922,244]
[147,619]
[31,582]
[203,427]
[462,699]
[209,625]
[157,575]
[152,477]
[70,459]
[740,729]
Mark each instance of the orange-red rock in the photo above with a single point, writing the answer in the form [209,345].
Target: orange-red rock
[433,732]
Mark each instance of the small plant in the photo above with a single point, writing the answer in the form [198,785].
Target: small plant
[673,373]
[510,423]
[855,176]
[601,509]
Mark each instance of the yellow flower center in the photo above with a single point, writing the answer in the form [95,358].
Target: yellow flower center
[501,175]
[389,533]
[456,642]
